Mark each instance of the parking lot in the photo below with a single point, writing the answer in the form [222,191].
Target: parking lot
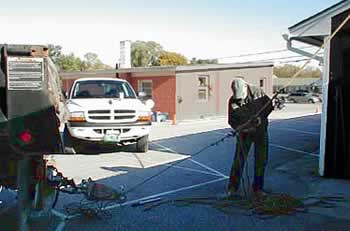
[204,175]
[292,169]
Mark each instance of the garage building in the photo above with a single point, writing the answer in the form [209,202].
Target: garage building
[335,124]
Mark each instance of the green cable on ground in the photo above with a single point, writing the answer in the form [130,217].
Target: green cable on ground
[262,206]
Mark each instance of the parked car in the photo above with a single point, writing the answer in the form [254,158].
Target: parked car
[283,96]
[303,97]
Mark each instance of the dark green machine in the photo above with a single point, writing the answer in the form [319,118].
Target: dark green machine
[28,122]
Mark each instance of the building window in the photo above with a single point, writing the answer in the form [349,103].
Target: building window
[262,82]
[203,88]
[146,87]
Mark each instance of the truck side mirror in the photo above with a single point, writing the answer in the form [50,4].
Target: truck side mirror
[142,94]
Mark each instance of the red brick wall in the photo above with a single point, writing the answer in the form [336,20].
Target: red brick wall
[67,84]
[163,92]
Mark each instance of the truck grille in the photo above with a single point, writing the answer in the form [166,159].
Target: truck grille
[108,115]
[104,131]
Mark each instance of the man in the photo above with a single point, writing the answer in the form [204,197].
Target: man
[244,105]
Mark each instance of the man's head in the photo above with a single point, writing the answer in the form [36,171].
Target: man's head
[239,89]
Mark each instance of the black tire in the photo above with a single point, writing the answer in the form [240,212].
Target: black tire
[67,138]
[71,142]
[311,101]
[292,101]
[142,144]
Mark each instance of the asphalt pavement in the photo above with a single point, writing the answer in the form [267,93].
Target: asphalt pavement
[292,169]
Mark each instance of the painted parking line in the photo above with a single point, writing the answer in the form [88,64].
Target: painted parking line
[195,170]
[282,129]
[207,167]
[167,193]
[193,161]
[294,150]
[179,167]
[296,130]
[315,154]
[163,147]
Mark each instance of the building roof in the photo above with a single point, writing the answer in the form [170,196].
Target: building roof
[172,69]
[312,30]
[319,14]
[296,81]
[221,67]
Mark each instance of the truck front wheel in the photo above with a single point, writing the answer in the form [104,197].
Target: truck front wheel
[142,144]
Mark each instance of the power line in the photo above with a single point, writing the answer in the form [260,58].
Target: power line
[294,61]
[261,53]
[282,58]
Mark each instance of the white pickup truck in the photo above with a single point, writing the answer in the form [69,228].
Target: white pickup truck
[106,111]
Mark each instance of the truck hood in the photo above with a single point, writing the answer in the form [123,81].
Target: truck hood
[103,104]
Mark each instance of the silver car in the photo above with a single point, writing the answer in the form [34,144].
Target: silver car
[303,97]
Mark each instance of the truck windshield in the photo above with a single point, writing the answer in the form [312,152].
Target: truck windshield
[102,89]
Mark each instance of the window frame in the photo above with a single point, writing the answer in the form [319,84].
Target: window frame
[140,87]
[262,83]
[201,88]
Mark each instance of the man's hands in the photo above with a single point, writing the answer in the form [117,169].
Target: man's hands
[257,122]
[250,126]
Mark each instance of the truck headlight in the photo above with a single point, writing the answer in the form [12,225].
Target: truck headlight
[77,117]
[144,116]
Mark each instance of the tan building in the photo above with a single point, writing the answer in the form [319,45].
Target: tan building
[204,91]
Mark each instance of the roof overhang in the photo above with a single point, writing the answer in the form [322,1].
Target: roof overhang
[222,67]
[314,29]
[311,40]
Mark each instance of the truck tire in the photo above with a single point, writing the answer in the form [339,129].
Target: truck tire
[142,144]
[71,143]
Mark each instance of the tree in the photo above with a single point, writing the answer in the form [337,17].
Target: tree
[203,61]
[70,63]
[167,58]
[92,62]
[54,52]
[288,70]
[145,54]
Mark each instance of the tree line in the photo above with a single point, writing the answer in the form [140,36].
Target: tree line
[70,62]
[288,70]
[150,53]
[143,54]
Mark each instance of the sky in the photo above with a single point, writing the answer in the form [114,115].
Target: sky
[197,28]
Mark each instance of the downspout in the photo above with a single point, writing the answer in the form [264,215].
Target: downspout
[300,51]
[325,89]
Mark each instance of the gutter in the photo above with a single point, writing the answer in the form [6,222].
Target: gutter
[299,51]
